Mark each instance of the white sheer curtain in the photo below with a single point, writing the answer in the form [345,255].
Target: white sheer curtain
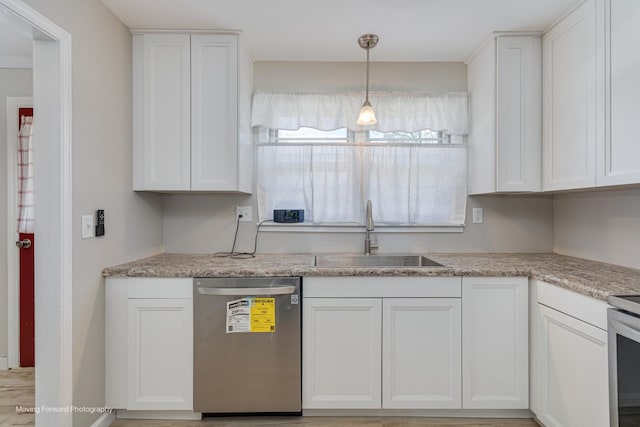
[322,180]
[408,183]
[26,216]
[417,185]
[395,111]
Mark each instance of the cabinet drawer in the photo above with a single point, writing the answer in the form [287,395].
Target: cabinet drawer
[154,287]
[381,287]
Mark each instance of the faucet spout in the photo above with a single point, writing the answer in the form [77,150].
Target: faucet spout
[369,228]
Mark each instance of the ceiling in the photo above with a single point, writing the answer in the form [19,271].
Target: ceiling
[15,36]
[327,30]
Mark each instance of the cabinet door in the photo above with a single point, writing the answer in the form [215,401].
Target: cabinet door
[505,138]
[160,354]
[214,112]
[495,339]
[574,386]
[341,344]
[572,99]
[162,122]
[481,77]
[421,353]
[519,114]
[618,158]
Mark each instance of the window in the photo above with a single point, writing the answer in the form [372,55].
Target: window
[413,177]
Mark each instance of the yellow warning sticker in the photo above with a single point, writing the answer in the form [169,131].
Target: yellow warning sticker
[263,314]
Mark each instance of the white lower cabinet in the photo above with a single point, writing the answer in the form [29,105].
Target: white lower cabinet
[160,354]
[415,343]
[149,344]
[421,353]
[570,376]
[381,342]
[341,352]
[495,342]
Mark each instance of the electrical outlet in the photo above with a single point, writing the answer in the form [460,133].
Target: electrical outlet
[477,216]
[246,213]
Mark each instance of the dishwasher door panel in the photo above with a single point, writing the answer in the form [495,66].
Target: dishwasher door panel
[249,371]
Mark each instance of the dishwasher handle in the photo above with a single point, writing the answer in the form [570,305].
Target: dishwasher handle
[276,290]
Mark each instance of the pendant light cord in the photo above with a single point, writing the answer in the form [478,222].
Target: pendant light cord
[367,95]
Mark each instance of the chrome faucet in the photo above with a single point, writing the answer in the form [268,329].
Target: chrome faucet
[369,228]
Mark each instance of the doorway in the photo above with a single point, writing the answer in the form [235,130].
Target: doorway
[20,302]
[53,270]
[26,240]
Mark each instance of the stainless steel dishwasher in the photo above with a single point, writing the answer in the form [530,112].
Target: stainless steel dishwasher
[247,350]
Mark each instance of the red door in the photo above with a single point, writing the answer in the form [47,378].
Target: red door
[27,301]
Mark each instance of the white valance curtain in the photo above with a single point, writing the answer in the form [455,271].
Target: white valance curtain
[26,217]
[409,112]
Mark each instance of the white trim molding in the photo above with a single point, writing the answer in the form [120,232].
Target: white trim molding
[13,279]
[105,419]
[16,61]
[53,270]
[3,364]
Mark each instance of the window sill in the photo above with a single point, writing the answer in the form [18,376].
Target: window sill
[269,226]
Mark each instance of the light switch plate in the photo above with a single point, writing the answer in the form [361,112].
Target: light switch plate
[87,227]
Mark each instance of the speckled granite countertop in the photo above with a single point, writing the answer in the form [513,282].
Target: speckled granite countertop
[595,279]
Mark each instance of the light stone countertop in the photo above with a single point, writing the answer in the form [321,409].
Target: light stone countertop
[595,279]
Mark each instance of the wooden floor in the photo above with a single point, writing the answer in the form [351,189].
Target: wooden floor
[332,422]
[17,390]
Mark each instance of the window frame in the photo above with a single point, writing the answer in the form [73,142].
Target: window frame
[352,137]
[268,136]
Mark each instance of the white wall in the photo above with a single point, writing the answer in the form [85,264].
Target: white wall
[206,223]
[101,180]
[600,225]
[284,76]
[13,82]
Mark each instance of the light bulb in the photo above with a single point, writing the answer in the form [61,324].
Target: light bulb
[367,116]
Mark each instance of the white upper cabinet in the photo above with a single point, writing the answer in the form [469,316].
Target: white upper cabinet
[618,156]
[573,95]
[161,116]
[192,106]
[505,139]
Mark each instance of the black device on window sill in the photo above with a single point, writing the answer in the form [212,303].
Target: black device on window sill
[288,215]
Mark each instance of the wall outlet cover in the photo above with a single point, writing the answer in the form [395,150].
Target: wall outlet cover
[477,216]
[246,212]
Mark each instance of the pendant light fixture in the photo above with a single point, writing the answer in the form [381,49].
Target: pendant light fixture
[367,116]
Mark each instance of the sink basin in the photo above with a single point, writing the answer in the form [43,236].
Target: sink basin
[374,261]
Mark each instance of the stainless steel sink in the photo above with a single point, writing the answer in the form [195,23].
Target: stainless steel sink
[374,261]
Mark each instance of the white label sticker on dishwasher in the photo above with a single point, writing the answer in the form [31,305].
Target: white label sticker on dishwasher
[239,315]
[251,314]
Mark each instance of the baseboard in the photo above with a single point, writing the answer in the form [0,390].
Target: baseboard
[438,413]
[159,415]
[4,363]
[105,419]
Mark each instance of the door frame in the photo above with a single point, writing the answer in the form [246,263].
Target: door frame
[13,259]
[52,86]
